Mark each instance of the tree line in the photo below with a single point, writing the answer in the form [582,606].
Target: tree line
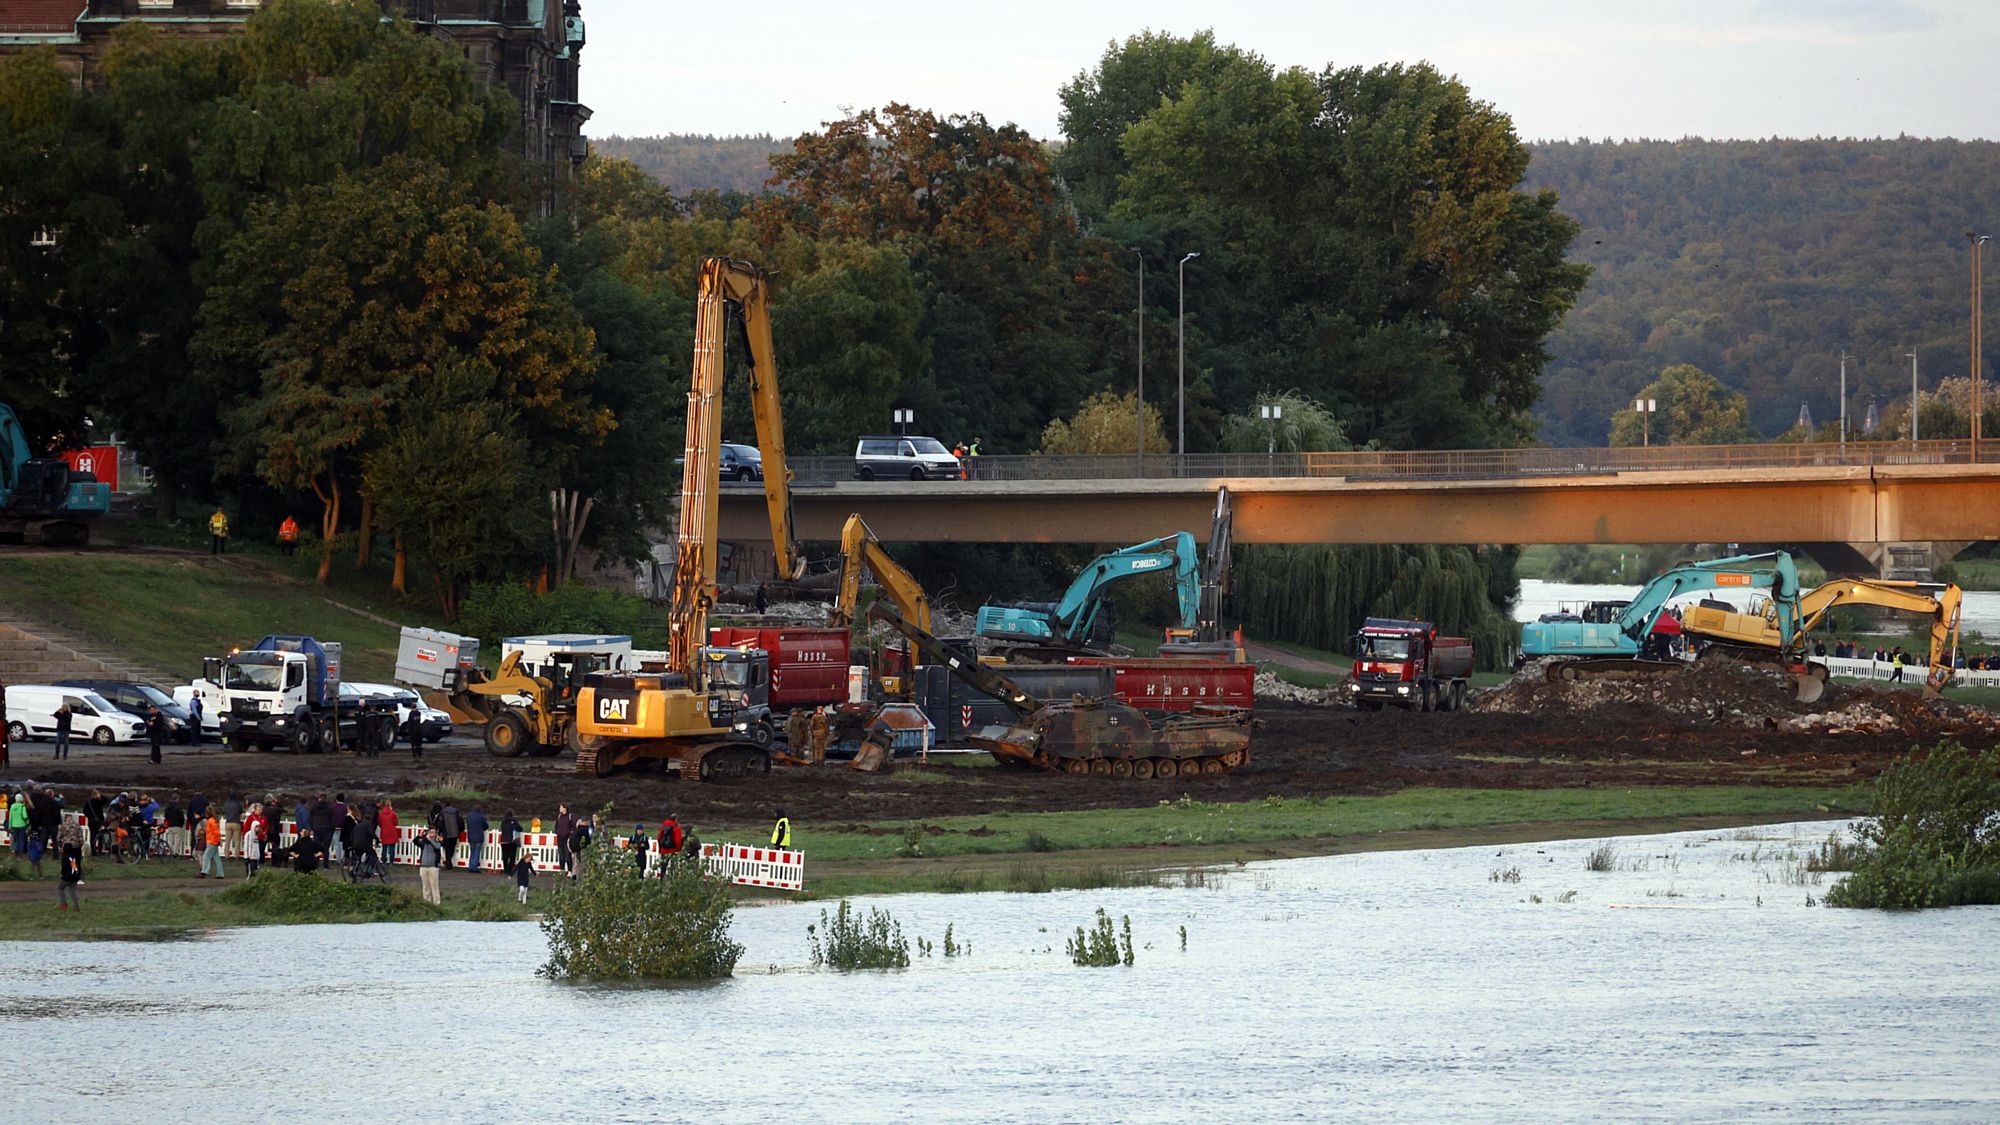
[298,265]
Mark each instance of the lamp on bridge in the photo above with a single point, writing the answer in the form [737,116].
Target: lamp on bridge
[1644,407]
[903,419]
[1272,413]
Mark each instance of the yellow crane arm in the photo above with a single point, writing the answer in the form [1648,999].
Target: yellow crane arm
[724,283]
[859,550]
[1761,630]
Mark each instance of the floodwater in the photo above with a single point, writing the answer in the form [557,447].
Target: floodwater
[1979,613]
[1692,983]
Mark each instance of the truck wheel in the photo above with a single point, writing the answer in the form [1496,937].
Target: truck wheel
[17,731]
[329,738]
[238,745]
[303,739]
[1458,695]
[506,735]
[103,736]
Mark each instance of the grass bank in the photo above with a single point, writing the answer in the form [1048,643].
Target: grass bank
[167,612]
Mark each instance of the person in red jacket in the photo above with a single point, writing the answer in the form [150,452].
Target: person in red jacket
[386,827]
[670,842]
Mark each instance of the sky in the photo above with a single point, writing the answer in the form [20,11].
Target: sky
[1562,68]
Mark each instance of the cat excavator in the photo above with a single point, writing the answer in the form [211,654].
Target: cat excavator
[1756,637]
[682,716]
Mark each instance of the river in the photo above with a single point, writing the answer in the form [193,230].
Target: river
[1980,611]
[1692,983]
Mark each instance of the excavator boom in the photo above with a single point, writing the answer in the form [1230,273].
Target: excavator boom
[859,551]
[1755,631]
[1072,621]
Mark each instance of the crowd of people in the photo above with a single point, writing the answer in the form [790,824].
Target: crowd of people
[360,837]
[1897,657]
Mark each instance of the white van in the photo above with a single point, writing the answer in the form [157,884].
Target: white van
[31,713]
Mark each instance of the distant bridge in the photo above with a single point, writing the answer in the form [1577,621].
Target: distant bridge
[1841,503]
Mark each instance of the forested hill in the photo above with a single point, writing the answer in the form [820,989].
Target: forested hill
[1758,260]
[686,162]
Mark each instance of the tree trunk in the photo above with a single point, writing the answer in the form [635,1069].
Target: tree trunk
[447,597]
[329,523]
[399,581]
[361,550]
[166,496]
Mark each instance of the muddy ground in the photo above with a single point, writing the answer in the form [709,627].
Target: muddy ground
[1299,751]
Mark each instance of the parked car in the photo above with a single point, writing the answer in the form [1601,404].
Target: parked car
[31,713]
[737,462]
[134,699]
[437,724]
[892,457]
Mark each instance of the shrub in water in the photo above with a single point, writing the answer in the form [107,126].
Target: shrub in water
[1602,858]
[1934,839]
[1098,946]
[852,942]
[614,925]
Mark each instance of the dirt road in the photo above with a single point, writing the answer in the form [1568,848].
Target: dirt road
[1300,751]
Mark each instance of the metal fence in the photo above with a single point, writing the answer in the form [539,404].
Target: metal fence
[1447,464]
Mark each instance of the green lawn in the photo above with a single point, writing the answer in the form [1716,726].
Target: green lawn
[1195,823]
[167,612]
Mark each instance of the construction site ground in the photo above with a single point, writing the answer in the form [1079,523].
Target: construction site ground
[1525,736]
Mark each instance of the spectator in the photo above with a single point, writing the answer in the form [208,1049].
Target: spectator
[250,840]
[579,839]
[1819,648]
[302,818]
[510,841]
[93,819]
[360,838]
[197,808]
[475,838]
[320,817]
[156,732]
[211,850]
[430,852]
[450,824]
[565,827]
[387,828]
[63,720]
[524,873]
[5,749]
[17,823]
[142,823]
[340,821]
[640,844]
[177,839]
[232,825]
[67,895]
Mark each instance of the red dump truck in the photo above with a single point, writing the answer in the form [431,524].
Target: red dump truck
[808,665]
[1406,664]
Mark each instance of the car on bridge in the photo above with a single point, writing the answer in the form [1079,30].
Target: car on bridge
[896,457]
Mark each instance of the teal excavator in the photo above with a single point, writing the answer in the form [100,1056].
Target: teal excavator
[1078,621]
[44,498]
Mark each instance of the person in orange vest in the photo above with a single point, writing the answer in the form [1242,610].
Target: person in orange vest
[288,535]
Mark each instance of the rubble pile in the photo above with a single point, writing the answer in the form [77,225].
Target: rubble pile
[1269,686]
[1731,695]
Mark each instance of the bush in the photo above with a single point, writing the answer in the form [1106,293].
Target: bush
[1934,838]
[614,925]
[1604,857]
[854,943]
[1098,947]
[287,896]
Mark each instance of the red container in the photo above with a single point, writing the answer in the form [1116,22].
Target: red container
[808,666]
[1179,685]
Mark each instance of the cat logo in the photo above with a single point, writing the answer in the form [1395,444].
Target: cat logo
[611,709]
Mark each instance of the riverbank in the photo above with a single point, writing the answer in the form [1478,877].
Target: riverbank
[1170,844]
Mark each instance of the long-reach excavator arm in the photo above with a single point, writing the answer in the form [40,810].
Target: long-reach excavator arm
[859,551]
[726,288]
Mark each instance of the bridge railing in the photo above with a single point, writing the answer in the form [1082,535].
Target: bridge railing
[1446,464]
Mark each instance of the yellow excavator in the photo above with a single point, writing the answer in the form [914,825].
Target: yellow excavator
[1757,634]
[685,715]
[860,551]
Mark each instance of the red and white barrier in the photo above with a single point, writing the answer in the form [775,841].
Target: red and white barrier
[755,867]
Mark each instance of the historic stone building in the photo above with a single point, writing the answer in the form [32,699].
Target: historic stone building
[531,47]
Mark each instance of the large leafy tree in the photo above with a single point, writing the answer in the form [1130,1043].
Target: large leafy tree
[1691,407]
[1363,233]
[343,300]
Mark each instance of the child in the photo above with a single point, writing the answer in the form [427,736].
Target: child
[524,873]
[72,876]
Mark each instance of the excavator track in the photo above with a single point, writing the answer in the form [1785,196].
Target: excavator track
[1613,668]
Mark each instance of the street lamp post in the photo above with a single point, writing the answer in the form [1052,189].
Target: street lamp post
[1913,400]
[1180,425]
[1843,399]
[904,418]
[1977,240]
[1272,413]
[1644,407]
[1141,412]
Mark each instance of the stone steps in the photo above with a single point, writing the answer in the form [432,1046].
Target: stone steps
[32,653]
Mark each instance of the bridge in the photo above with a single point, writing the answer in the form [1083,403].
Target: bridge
[1844,504]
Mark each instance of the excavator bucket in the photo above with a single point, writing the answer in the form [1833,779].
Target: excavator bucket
[1809,683]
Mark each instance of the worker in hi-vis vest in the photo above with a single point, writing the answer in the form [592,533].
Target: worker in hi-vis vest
[781,832]
[218,531]
[288,535]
